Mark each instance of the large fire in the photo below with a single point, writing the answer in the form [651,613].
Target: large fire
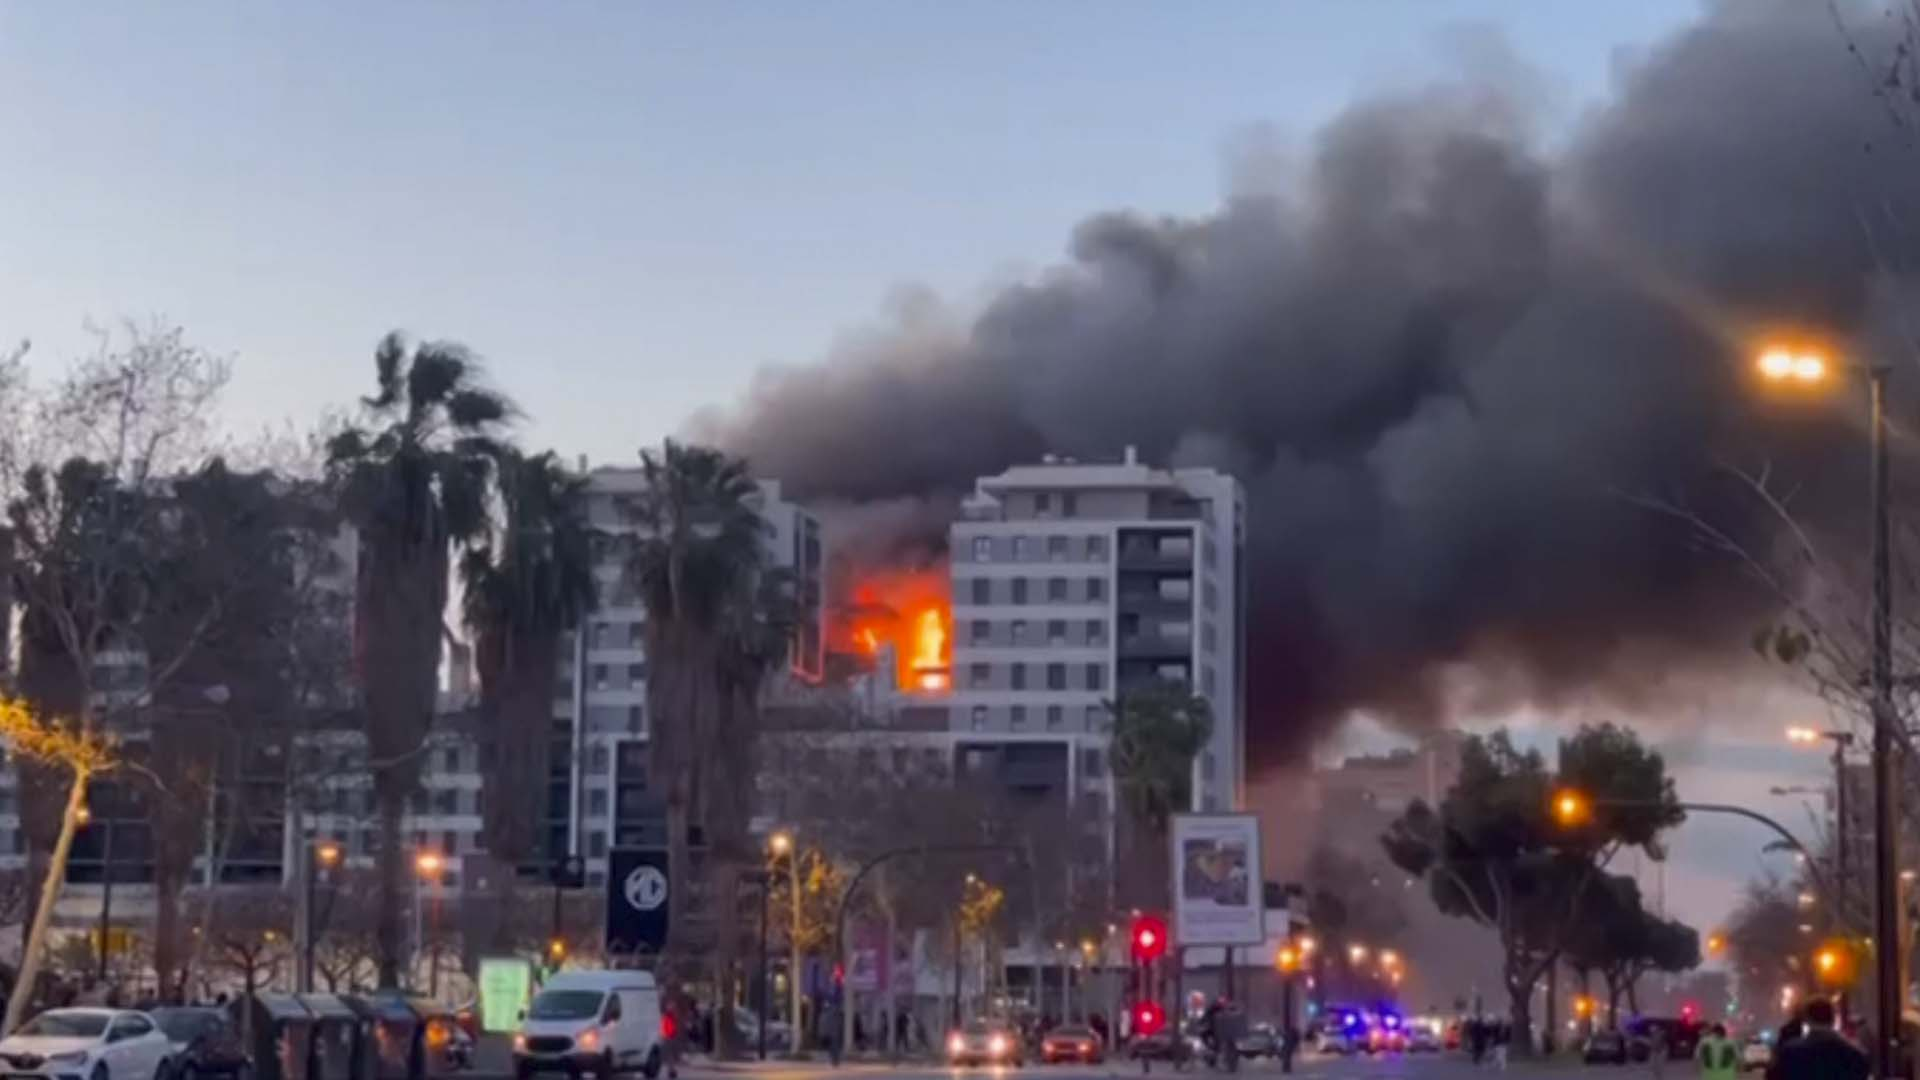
[908,612]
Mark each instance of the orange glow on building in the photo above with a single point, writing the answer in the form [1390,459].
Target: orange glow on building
[908,611]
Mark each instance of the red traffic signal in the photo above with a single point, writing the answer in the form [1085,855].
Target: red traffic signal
[1149,937]
[1148,1018]
[839,975]
[669,1026]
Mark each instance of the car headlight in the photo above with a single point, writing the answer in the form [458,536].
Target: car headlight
[71,1057]
[956,1044]
[997,1045]
[520,1043]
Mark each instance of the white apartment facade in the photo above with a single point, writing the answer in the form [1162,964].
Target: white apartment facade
[1077,582]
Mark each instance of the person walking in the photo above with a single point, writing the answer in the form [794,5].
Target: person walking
[1820,1054]
[1718,1058]
[1658,1049]
[1502,1037]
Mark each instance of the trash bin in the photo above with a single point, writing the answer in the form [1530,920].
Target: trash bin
[279,1033]
[341,1039]
[394,1029]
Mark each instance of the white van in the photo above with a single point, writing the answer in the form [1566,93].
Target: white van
[597,1022]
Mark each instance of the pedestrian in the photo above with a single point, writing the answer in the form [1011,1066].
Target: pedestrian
[1657,1050]
[1719,1059]
[1477,1039]
[902,1029]
[1820,1054]
[1502,1035]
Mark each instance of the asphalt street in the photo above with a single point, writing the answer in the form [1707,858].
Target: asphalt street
[1447,1067]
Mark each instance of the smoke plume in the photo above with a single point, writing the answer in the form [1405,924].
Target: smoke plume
[1442,355]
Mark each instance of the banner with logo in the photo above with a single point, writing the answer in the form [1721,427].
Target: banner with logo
[1217,895]
[639,901]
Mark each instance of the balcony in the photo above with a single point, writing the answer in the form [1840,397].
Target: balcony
[1155,647]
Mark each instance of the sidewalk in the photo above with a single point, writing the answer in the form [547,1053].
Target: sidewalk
[776,1063]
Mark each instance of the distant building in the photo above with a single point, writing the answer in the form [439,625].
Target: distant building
[1075,583]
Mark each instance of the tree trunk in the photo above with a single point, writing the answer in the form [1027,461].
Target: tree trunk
[390,929]
[35,944]
[1520,1013]
[726,955]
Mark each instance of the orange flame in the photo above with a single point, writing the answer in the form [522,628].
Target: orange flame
[906,609]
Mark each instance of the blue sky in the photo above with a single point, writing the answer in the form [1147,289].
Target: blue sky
[628,208]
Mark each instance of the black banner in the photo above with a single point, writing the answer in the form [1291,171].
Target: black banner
[639,900]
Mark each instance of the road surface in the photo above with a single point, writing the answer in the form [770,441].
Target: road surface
[1447,1067]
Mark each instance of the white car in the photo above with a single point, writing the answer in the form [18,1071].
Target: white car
[86,1044]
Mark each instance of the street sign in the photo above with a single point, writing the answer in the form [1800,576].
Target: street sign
[639,900]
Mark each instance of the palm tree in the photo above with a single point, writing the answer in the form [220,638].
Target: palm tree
[523,592]
[1157,731]
[698,550]
[413,481]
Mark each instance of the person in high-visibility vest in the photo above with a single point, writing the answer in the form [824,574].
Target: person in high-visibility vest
[1719,1058]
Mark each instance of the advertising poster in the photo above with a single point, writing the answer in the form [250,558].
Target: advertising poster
[506,985]
[1217,898]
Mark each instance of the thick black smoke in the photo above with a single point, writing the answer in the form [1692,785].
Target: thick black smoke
[1443,359]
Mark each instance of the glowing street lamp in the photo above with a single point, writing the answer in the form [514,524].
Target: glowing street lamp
[1782,364]
[1571,807]
[1356,954]
[1389,959]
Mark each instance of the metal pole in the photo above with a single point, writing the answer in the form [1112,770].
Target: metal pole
[433,944]
[1840,905]
[1286,1022]
[766,896]
[306,917]
[106,888]
[1885,819]
[799,1039]
[958,944]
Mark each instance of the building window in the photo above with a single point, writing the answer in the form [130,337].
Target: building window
[597,844]
[443,801]
[1056,676]
[1019,676]
[1019,549]
[1017,717]
[1179,630]
[636,673]
[1097,548]
[1096,718]
[599,676]
[1176,588]
[982,591]
[636,635]
[1090,762]
[597,758]
[1096,631]
[978,675]
[900,755]
[1096,677]
[450,759]
[1057,548]
[1042,503]
[1019,590]
[1057,590]
[1069,504]
[1096,588]
[1056,631]
[450,843]
[597,803]
[1019,631]
[979,632]
[979,718]
[1056,718]
[982,549]
[636,719]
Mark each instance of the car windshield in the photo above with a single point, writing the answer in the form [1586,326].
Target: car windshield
[83,1024]
[1074,1032]
[565,1005]
[183,1025]
[982,1029]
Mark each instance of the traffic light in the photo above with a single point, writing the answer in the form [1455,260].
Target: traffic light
[1149,937]
[1148,1018]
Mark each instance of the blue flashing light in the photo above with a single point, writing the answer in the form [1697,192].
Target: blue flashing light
[1393,1022]
[1351,1020]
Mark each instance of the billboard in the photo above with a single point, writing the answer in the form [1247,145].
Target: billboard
[1217,895]
[638,901]
[506,984]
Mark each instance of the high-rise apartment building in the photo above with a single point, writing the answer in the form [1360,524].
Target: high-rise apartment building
[1075,583]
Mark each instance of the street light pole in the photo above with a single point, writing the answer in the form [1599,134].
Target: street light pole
[766,896]
[1886,871]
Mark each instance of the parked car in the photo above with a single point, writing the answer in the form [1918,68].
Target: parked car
[985,1042]
[1072,1042]
[599,1022]
[1332,1041]
[1755,1053]
[86,1044]
[1423,1039]
[1605,1048]
[201,1043]
[1261,1040]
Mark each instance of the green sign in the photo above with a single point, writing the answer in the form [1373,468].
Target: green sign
[506,984]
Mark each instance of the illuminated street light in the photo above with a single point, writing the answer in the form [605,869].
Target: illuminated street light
[1806,899]
[1356,954]
[1571,807]
[1805,736]
[428,863]
[1287,959]
[780,842]
[1715,943]
[1782,364]
[1307,945]
[327,854]
[1389,958]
